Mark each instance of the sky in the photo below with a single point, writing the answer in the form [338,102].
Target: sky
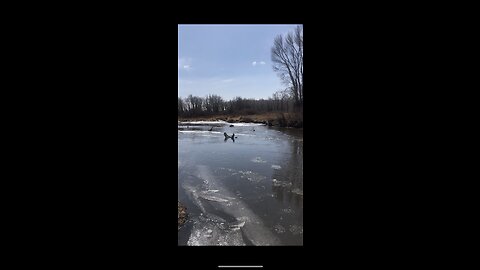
[228,60]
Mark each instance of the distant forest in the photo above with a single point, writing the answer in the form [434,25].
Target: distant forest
[215,105]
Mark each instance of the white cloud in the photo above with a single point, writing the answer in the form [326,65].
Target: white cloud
[254,63]
[184,63]
[227,80]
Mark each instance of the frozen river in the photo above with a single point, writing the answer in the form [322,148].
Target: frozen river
[242,191]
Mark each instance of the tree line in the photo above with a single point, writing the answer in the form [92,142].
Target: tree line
[281,101]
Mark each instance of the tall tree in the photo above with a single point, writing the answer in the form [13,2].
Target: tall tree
[287,58]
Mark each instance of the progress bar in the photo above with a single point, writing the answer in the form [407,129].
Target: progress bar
[240,266]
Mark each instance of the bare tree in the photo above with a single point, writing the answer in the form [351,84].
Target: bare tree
[281,101]
[213,103]
[287,58]
[194,104]
[181,106]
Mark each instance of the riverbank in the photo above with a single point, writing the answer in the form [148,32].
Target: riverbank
[182,215]
[270,119]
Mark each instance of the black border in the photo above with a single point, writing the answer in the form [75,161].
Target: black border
[86,89]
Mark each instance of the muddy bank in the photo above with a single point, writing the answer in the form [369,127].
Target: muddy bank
[182,215]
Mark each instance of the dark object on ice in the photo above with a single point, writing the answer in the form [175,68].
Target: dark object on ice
[211,129]
[229,137]
[182,215]
[231,125]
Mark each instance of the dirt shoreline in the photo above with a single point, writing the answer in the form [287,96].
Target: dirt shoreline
[182,215]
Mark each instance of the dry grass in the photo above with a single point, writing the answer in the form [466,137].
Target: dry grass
[182,215]
[256,118]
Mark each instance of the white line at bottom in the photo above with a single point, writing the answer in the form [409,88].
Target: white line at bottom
[240,266]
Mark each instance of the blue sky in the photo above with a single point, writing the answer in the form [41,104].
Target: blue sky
[227,60]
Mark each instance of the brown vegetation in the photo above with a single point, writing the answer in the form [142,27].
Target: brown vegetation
[182,215]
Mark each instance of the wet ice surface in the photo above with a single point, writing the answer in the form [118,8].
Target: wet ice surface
[243,192]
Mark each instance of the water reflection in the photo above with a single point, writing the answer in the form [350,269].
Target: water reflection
[287,184]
